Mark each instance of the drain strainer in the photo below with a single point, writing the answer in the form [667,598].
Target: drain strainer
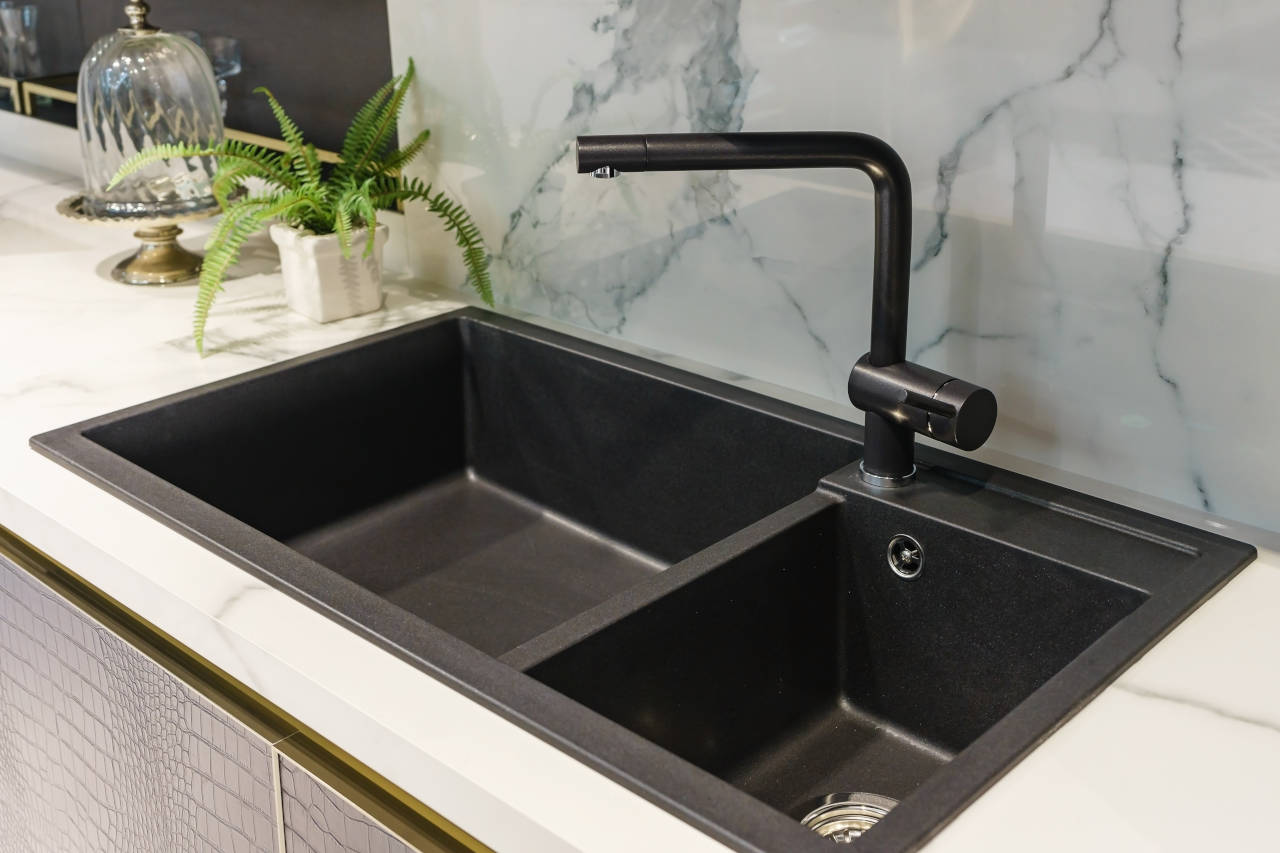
[843,818]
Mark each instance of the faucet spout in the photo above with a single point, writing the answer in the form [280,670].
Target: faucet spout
[895,412]
[679,152]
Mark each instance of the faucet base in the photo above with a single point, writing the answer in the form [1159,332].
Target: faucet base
[885,482]
[888,452]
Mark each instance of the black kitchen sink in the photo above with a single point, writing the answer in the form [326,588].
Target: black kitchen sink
[683,584]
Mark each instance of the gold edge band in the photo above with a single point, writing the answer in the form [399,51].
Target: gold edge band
[324,155]
[49,92]
[28,89]
[12,85]
[403,814]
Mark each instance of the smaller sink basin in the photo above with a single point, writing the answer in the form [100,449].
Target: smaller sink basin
[806,666]
[793,662]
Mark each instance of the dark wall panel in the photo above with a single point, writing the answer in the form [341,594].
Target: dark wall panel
[62,43]
[321,58]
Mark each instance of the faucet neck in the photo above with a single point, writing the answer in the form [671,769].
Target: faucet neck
[900,398]
[816,150]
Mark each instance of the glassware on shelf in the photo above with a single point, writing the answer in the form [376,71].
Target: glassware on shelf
[8,45]
[224,54]
[189,34]
[141,87]
[21,54]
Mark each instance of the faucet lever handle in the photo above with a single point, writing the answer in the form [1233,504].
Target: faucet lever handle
[931,405]
[927,401]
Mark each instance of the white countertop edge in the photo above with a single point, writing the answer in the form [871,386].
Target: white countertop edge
[506,787]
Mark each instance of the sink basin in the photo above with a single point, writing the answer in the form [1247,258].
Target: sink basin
[681,583]
[490,482]
[803,665]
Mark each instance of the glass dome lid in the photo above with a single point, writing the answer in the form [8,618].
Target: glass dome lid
[141,87]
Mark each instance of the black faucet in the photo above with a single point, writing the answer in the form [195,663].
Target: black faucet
[899,397]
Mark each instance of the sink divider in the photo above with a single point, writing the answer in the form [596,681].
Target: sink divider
[573,631]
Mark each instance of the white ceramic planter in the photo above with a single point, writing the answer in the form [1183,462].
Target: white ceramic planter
[320,283]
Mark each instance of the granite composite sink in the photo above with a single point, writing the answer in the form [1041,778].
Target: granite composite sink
[681,583]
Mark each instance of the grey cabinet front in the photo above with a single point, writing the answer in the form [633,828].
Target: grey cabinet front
[319,820]
[103,750]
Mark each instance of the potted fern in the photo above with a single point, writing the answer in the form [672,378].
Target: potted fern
[326,220]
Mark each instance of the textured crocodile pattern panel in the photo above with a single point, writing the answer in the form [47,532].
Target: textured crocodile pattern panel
[319,820]
[103,750]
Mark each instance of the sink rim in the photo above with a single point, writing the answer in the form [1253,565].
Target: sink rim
[696,796]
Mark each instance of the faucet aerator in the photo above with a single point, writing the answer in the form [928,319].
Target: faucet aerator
[606,172]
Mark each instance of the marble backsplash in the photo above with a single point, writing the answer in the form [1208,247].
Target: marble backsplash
[1094,187]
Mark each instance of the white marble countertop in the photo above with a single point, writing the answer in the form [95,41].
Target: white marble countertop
[1182,753]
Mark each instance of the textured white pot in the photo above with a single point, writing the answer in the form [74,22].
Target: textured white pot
[320,283]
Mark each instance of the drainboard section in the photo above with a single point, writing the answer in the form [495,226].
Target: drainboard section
[487,480]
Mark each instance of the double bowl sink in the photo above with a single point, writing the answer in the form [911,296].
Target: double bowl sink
[681,583]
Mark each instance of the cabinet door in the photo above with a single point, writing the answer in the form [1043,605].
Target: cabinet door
[319,820]
[102,750]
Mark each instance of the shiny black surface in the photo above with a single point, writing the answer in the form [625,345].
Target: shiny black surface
[680,583]
[932,403]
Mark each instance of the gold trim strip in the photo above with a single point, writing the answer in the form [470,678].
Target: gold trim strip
[12,85]
[29,89]
[403,814]
[324,155]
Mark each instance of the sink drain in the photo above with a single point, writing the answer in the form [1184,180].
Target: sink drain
[906,557]
[843,818]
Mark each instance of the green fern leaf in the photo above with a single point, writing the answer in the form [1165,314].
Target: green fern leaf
[169,151]
[342,225]
[400,158]
[301,155]
[386,191]
[377,137]
[297,193]
[242,220]
[289,131]
[221,252]
[468,238]
[361,130]
[369,214]
[263,163]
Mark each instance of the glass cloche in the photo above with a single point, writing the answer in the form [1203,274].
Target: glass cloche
[141,87]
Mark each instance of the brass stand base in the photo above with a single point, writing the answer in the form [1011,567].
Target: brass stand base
[160,260]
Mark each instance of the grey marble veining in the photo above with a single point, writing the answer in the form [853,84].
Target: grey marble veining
[1092,184]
